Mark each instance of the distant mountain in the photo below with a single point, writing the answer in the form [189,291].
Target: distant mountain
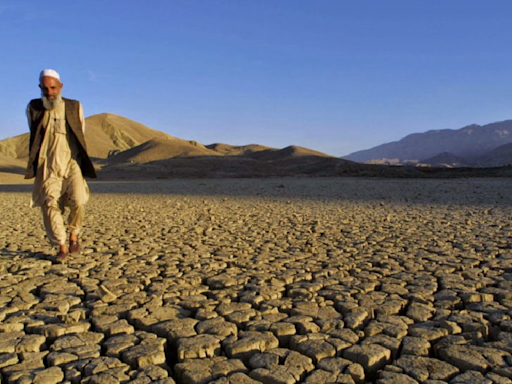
[498,157]
[445,160]
[469,142]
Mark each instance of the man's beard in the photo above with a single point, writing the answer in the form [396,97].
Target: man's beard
[51,104]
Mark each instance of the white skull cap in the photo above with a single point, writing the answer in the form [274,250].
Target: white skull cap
[49,73]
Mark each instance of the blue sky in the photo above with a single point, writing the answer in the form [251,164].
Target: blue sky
[332,75]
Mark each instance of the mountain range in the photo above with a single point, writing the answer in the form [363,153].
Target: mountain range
[471,146]
[125,149]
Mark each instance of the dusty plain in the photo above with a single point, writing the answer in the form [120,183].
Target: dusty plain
[298,280]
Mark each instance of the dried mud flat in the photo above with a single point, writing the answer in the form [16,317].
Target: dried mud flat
[264,281]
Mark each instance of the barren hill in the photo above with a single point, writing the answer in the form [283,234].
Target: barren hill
[240,150]
[103,133]
[106,132]
[290,152]
[162,149]
[15,147]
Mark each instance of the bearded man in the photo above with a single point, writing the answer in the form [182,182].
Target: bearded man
[59,162]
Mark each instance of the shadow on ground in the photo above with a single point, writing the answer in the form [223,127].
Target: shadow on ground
[15,170]
[472,191]
[25,254]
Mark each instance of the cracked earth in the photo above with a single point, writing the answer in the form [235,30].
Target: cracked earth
[263,281]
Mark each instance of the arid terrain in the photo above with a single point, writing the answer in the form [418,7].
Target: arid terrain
[123,149]
[289,280]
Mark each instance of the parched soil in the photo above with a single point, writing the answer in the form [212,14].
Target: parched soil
[294,280]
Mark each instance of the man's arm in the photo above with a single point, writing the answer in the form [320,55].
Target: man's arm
[81,116]
[29,173]
[28,114]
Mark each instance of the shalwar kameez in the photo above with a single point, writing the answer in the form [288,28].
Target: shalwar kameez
[58,161]
[59,181]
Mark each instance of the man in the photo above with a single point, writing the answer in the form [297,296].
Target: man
[59,162]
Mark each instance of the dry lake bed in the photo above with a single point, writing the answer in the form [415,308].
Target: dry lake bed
[337,280]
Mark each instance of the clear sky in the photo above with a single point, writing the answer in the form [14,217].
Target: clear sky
[332,75]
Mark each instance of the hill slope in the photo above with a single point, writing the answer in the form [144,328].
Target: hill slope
[234,150]
[290,152]
[162,149]
[106,132]
[15,147]
[9,164]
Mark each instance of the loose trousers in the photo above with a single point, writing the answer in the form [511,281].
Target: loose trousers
[72,192]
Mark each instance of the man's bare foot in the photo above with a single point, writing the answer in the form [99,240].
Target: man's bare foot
[63,254]
[74,245]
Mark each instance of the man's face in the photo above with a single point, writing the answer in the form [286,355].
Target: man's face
[50,87]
